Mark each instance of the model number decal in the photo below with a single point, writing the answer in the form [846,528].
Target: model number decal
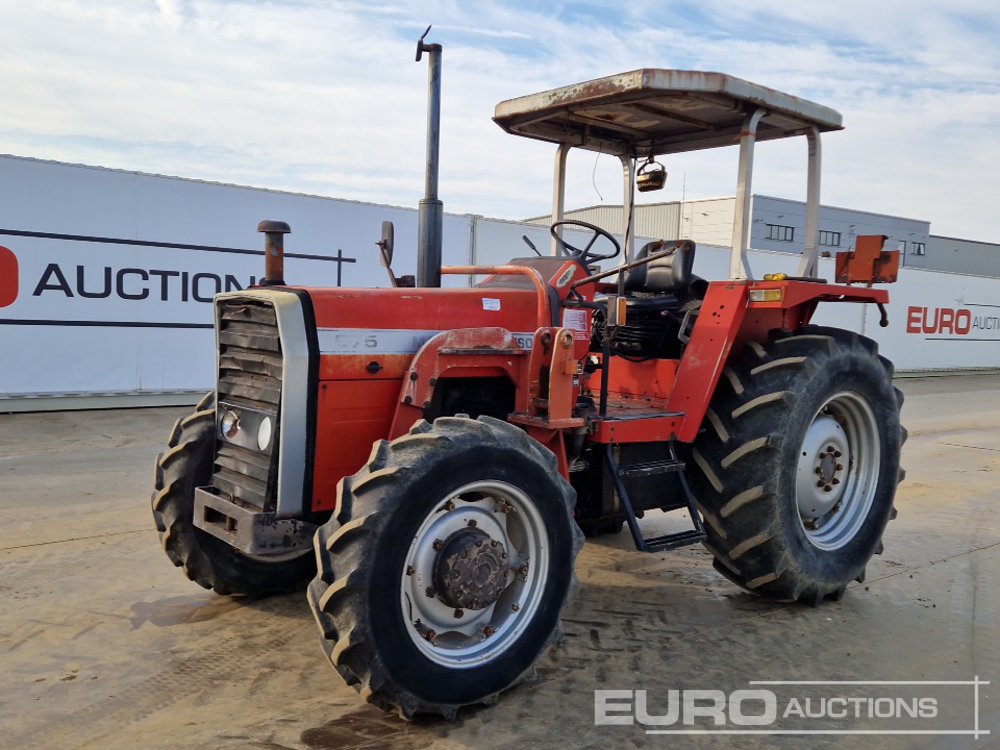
[524,340]
[387,341]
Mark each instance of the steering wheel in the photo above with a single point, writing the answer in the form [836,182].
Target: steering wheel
[584,255]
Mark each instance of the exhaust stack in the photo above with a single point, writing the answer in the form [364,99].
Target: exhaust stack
[274,251]
[431,215]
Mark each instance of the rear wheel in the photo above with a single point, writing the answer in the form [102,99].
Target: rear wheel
[799,462]
[442,579]
[210,562]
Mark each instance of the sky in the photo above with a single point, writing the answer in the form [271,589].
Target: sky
[324,97]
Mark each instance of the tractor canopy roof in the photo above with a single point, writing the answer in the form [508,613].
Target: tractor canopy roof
[654,111]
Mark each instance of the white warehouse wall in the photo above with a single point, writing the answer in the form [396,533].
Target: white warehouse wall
[106,277]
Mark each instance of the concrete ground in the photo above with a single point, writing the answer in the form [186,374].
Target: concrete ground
[106,645]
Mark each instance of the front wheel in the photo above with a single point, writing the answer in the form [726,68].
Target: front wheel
[442,579]
[799,462]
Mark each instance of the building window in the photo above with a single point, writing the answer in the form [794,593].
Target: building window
[902,247]
[778,232]
[918,248]
[831,239]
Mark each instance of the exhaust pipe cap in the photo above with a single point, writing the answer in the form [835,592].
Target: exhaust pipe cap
[274,226]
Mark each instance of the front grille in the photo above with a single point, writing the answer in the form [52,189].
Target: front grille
[249,383]
[243,473]
[250,364]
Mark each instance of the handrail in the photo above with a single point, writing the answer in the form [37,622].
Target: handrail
[543,313]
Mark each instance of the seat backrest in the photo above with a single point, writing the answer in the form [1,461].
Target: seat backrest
[671,274]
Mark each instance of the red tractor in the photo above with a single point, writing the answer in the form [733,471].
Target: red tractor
[430,458]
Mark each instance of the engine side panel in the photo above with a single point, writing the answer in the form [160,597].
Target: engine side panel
[367,339]
[353,414]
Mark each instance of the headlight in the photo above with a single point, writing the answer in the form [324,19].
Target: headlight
[230,424]
[264,433]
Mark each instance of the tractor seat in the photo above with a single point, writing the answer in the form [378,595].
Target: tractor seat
[669,275]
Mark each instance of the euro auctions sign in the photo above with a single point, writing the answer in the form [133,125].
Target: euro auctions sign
[105,315]
[974,322]
[946,708]
[48,275]
[9,278]
[940,322]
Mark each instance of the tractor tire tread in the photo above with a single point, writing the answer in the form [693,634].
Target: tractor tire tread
[345,554]
[731,456]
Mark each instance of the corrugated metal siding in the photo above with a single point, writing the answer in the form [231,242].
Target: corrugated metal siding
[606,217]
[709,221]
[660,220]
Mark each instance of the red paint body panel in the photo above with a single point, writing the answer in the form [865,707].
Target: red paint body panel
[712,339]
[728,318]
[868,263]
[356,366]
[658,426]
[798,293]
[367,395]
[649,382]
[425,309]
[454,354]
[351,415]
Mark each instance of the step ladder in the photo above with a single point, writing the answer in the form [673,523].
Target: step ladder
[647,469]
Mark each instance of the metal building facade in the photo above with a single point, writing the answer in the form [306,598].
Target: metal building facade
[958,256]
[776,224]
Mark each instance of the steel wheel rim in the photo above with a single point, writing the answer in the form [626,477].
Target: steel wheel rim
[508,516]
[835,489]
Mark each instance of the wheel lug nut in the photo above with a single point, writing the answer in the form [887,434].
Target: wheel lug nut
[431,592]
[820,483]
[459,614]
[430,635]
[479,542]
[438,545]
[488,631]
[515,607]
[822,455]
[450,505]
[835,481]
[472,523]
[837,454]
[840,467]
[827,488]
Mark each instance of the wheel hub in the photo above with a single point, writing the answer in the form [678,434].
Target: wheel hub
[822,468]
[471,570]
[474,575]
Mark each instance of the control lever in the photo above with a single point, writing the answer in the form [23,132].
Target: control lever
[530,244]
